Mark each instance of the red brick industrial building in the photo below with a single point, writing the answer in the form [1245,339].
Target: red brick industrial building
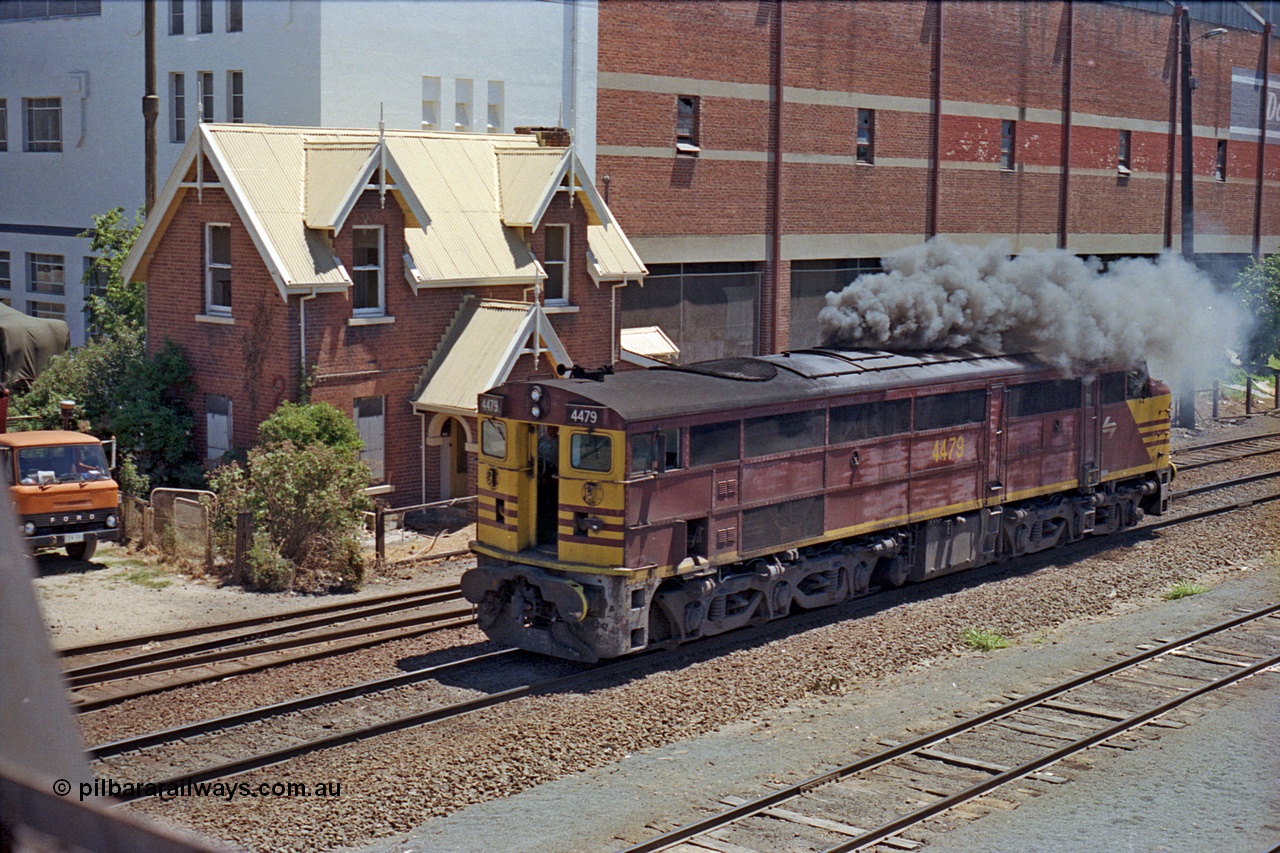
[1048,124]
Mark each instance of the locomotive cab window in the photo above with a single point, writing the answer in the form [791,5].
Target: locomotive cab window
[1118,387]
[655,451]
[782,433]
[591,452]
[493,439]
[870,420]
[710,443]
[949,410]
[1039,398]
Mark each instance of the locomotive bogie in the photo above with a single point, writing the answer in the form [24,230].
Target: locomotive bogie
[661,506]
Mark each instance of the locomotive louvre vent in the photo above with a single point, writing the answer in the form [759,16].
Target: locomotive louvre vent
[741,368]
[726,538]
[726,489]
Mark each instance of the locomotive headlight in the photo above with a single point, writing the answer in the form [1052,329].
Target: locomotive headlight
[111,521]
[29,528]
[536,410]
[535,394]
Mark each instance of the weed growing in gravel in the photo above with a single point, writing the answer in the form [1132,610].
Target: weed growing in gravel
[831,685]
[1182,589]
[150,578]
[984,640]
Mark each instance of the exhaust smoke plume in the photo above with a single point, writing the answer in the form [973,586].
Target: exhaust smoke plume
[941,295]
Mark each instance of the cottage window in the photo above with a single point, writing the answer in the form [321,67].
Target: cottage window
[368,281]
[555,260]
[217,420]
[42,124]
[371,423]
[218,269]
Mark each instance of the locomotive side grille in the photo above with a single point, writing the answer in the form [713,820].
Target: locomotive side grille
[783,523]
[726,489]
[726,538]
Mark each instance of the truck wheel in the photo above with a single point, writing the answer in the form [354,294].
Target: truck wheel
[82,550]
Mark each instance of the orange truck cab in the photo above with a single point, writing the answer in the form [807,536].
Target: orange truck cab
[61,488]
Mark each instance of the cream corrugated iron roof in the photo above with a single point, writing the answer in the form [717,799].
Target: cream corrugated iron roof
[292,186]
[486,340]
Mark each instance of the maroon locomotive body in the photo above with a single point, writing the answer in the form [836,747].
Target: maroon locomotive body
[653,507]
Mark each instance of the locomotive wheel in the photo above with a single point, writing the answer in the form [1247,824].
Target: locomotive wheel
[82,550]
[891,573]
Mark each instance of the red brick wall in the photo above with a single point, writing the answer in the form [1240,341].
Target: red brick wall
[256,360]
[996,54]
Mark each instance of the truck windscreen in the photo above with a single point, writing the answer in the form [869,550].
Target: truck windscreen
[62,464]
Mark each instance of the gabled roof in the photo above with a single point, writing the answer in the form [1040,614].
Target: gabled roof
[478,352]
[466,199]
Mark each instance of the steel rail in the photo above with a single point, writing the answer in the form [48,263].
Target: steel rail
[688,831]
[1222,460]
[181,633]
[1228,442]
[378,685]
[87,705]
[1225,484]
[128,669]
[922,814]
[435,715]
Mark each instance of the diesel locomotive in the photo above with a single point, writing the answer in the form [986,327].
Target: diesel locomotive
[645,509]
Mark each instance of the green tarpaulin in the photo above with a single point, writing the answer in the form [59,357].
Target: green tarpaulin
[26,345]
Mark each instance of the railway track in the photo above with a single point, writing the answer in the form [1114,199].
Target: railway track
[577,676]
[1022,738]
[158,662]
[1231,450]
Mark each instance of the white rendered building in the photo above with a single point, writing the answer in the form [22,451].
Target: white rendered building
[72,83]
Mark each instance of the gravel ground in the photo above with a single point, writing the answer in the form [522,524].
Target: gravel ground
[767,678]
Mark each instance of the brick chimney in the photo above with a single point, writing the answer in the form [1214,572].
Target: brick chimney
[548,137]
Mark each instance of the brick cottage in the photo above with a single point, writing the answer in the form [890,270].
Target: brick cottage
[393,274]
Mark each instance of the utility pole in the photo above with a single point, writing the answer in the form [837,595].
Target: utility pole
[150,101]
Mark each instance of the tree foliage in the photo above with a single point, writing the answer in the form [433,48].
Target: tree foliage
[1258,290]
[310,423]
[121,391]
[123,305]
[306,502]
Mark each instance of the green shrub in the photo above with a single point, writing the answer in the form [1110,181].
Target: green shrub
[310,423]
[266,569]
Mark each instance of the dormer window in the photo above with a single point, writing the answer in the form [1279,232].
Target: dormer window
[555,260]
[368,289]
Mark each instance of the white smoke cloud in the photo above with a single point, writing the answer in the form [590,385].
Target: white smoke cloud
[941,295]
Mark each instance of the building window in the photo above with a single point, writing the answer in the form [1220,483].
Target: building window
[42,124]
[235,97]
[1007,140]
[366,272]
[866,152]
[96,276]
[1123,162]
[32,10]
[370,423]
[177,17]
[178,108]
[217,421]
[555,260]
[45,274]
[4,125]
[47,310]
[462,94]
[235,16]
[217,241]
[6,277]
[494,119]
[1220,164]
[430,103]
[687,124]
[205,9]
[206,95]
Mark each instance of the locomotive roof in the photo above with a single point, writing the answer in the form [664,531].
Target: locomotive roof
[751,382]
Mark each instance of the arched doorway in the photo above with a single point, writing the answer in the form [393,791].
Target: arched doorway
[453,459]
